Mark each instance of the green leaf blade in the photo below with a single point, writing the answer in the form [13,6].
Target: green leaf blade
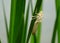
[16,21]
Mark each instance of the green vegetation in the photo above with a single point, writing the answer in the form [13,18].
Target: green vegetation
[19,22]
[0,41]
[57,22]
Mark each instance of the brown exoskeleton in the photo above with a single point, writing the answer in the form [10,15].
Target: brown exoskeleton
[38,20]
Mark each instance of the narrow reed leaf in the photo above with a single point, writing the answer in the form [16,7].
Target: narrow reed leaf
[25,25]
[54,32]
[33,39]
[38,33]
[37,9]
[57,22]
[58,18]
[16,21]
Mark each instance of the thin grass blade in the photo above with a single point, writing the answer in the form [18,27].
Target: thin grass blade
[25,25]
[37,8]
[16,21]
[57,22]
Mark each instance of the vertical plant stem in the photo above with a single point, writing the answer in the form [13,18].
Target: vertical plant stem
[57,23]
[37,8]
[16,21]
[25,25]
[54,32]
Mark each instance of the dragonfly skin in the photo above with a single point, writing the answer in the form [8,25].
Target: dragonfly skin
[38,20]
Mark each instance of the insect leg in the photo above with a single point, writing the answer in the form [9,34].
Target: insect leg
[33,17]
